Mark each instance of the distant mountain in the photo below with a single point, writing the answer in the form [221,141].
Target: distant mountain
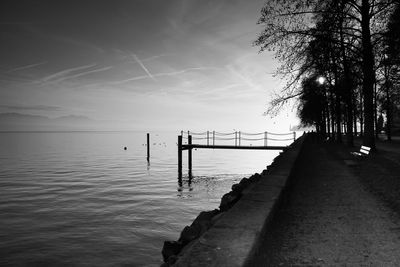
[19,116]
[73,119]
[27,122]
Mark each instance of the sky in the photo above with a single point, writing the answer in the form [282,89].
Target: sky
[141,64]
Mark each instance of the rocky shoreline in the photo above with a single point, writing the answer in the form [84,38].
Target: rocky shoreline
[206,219]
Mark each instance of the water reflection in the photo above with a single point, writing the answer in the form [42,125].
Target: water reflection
[187,178]
[185,184]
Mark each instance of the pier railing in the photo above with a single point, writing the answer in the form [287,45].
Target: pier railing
[212,138]
[232,140]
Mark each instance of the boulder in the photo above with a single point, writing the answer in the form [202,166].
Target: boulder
[172,259]
[203,220]
[244,182]
[228,200]
[171,248]
[190,233]
[238,188]
[205,216]
[255,177]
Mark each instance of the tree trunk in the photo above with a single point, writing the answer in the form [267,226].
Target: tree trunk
[348,91]
[355,124]
[376,111]
[389,113]
[338,117]
[368,76]
[361,116]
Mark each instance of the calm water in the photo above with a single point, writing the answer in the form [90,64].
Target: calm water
[80,199]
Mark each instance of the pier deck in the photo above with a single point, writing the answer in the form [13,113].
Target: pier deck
[185,147]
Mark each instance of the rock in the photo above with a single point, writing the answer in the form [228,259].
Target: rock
[228,200]
[205,216]
[255,177]
[172,259]
[171,248]
[244,182]
[203,220]
[235,187]
[190,233]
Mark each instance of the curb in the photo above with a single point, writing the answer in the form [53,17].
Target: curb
[230,235]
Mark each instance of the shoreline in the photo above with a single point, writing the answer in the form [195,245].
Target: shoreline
[219,225]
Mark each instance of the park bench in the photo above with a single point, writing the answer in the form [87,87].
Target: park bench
[364,151]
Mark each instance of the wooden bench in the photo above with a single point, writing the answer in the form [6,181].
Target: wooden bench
[364,151]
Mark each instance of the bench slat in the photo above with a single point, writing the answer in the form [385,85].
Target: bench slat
[364,151]
[365,148]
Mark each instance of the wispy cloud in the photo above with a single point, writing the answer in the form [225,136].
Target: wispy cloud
[228,87]
[143,77]
[155,57]
[143,66]
[26,66]
[65,72]
[161,74]
[32,107]
[82,74]
[185,70]
[15,77]
[78,43]
[247,80]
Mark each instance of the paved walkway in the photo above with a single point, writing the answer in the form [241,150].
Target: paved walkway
[330,218]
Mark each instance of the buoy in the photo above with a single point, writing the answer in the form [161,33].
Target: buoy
[125,148]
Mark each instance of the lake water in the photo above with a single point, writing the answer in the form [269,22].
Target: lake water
[80,199]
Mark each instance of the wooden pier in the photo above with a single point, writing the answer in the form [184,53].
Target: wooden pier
[209,142]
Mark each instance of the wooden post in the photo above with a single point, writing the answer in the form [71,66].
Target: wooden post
[148,147]
[190,156]
[213,138]
[235,138]
[208,138]
[239,138]
[265,139]
[180,157]
[294,136]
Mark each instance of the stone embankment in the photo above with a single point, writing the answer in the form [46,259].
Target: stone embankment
[228,236]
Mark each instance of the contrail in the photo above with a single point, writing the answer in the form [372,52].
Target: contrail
[243,78]
[155,57]
[131,79]
[162,74]
[82,74]
[183,71]
[143,66]
[27,66]
[65,72]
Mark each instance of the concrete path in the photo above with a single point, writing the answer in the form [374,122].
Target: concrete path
[330,219]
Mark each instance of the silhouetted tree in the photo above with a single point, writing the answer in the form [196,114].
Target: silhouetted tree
[357,27]
[312,104]
[391,65]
